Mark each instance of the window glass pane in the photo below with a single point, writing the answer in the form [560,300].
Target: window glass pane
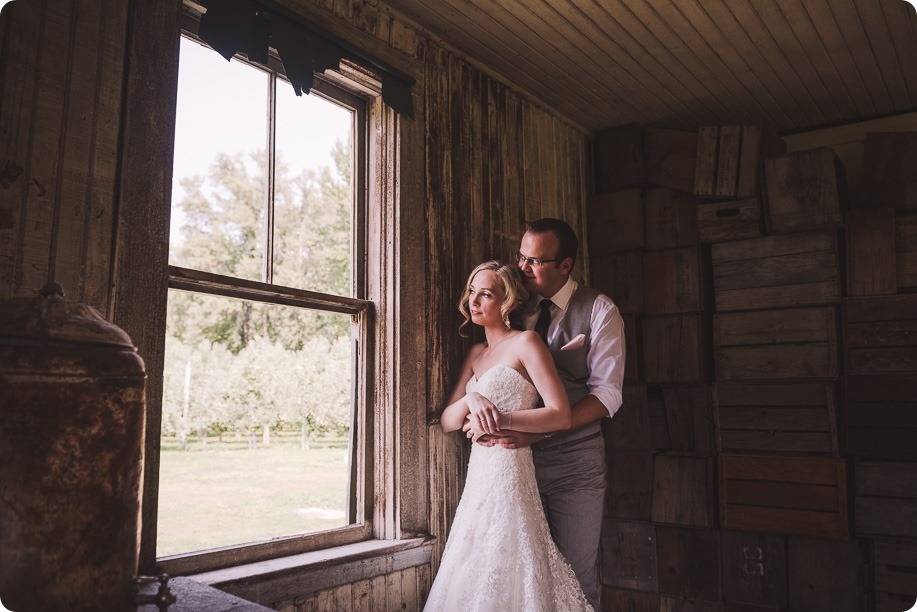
[219,182]
[313,193]
[256,422]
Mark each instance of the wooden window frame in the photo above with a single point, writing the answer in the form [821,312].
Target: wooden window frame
[375,167]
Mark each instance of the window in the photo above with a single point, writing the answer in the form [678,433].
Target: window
[264,446]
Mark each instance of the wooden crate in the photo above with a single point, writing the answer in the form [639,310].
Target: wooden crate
[804,191]
[792,495]
[676,349]
[781,418]
[659,424]
[620,277]
[674,281]
[628,552]
[793,344]
[889,170]
[871,266]
[886,499]
[615,221]
[683,490]
[633,362]
[678,604]
[827,576]
[616,600]
[906,251]
[731,606]
[671,219]
[629,429]
[881,334]
[688,562]
[777,272]
[880,420]
[618,158]
[670,158]
[629,494]
[895,575]
[754,568]
[689,419]
[729,220]
[729,159]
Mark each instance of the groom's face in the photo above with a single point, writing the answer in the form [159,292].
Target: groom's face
[548,278]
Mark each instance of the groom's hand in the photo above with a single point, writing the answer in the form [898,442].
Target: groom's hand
[511,439]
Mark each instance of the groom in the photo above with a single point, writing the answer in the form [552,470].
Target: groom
[585,334]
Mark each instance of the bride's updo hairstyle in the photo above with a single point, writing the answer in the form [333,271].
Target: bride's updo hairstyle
[514,294]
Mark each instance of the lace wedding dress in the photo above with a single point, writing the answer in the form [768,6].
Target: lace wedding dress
[500,555]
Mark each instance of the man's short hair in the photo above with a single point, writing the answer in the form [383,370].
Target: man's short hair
[566,237]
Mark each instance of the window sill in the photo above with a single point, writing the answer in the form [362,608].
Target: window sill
[285,578]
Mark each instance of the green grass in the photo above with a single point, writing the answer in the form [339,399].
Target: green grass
[231,495]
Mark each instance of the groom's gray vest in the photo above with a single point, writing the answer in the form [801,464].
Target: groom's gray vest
[571,364]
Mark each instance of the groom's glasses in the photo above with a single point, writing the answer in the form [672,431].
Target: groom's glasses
[533,261]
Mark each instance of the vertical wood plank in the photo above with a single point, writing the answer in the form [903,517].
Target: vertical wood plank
[141,243]
[21,28]
[40,216]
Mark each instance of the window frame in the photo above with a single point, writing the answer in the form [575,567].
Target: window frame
[360,90]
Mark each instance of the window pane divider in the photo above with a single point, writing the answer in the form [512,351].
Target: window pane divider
[186,279]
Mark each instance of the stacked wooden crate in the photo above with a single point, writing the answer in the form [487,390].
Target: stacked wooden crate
[735,379]
[776,254]
[660,543]
[879,420]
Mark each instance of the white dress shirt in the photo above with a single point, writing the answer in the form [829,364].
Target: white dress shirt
[605,358]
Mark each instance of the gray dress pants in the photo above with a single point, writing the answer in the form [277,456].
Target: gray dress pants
[571,480]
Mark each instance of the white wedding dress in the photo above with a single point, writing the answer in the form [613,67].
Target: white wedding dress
[500,555]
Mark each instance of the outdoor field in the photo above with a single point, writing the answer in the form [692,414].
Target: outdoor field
[231,494]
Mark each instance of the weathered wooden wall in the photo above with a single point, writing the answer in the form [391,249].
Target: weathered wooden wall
[61,87]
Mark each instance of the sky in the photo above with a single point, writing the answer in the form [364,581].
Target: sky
[222,107]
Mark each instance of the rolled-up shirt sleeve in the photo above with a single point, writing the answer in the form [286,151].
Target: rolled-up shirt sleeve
[606,354]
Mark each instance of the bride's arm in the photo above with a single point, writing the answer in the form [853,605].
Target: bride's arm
[555,415]
[460,403]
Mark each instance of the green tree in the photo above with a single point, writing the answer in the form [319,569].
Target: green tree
[241,357]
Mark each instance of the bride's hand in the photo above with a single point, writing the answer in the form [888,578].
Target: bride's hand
[476,434]
[482,413]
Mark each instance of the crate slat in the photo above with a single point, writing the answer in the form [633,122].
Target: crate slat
[886,499]
[889,170]
[804,191]
[683,490]
[881,334]
[881,415]
[670,158]
[871,265]
[615,221]
[676,349]
[754,568]
[906,251]
[792,495]
[776,272]
[688,562]
[729,159]
[628,552]
[777,418]
[895,578]
[671,219]
[729,220]
[676,281]
[790,344]
[826,576]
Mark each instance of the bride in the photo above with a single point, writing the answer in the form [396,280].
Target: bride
[500,555]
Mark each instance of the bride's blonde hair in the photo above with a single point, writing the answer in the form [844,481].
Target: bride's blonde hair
[514,294]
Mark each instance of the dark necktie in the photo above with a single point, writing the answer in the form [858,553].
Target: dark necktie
[544,319]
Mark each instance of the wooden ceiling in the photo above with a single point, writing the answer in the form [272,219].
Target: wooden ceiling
[791,65]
